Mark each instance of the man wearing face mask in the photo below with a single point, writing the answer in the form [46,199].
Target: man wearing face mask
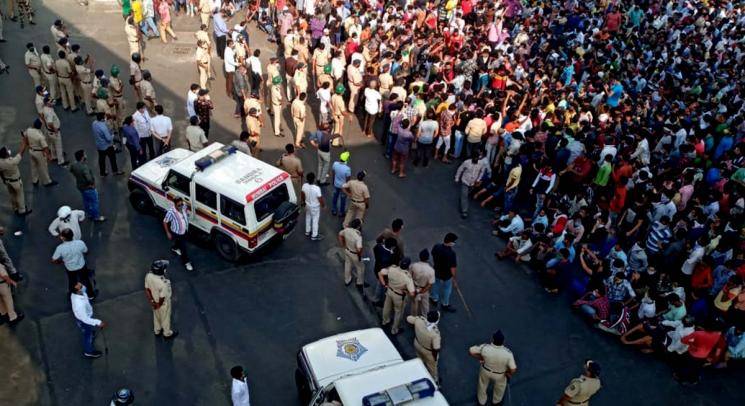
[158,291]
[427,340]
[67,219]
[83,311]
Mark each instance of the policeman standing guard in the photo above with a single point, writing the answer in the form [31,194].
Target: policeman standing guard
[424,277]
[350,238]
[276,97]
[338,110]
[158,291]
[47,69]
[497,366]
[298,117]
[54,136]
[359,194]
[427,340]
[580,390]
[37,143]
[399,286]
[64,78]
[116,90]
[11,176]
[33,64]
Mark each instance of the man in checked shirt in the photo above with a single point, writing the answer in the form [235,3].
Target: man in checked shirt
[176,224]
[469,174]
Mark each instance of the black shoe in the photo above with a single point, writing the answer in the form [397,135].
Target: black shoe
[3,319]
[14,19]
[347,283]
[93,355]
[367,285]
[175,333]
[360,288]
[20,316]
[464,215]
[104,174]
[158,334]
[52,183]
[448,308]
[379,303]
[433,302]
[25,213]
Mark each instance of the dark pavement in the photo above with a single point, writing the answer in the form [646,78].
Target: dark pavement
[259,312]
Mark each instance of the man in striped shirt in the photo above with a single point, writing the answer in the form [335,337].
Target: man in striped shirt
[176,224]
[659,236]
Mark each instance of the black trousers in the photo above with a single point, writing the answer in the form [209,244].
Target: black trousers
[179,243]
[82,276]
[148,151]
[220,42]
[135,158]
[422,153]
[109,153]
[205,125]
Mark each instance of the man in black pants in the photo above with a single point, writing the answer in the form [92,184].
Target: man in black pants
[105,145]
[176,224]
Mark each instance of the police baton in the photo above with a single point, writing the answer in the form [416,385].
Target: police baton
[462,299]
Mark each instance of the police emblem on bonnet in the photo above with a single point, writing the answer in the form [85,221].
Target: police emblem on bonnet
[350,349]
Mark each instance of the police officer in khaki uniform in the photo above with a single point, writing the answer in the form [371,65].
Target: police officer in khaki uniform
[399,286]
[427,340]
[272,71]
[424,277]
[83,71]
[292,164]
[11,176]
[325,77]
[41,93]
[354,76]
[350,239]
[64,78]
[298,117]
[135,74]
[134,37]
[202,57]
[205,11]
[300,78]
[37,143]
[116,91]
[338,110]
[580,390]
[359,195]
[253,125]
[497,366]
[276,97]
[386,81]
[321,57]
[148,91]
[158,291]
[33,64]
[54,136]
[50,76]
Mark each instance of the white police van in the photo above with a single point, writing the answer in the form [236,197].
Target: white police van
[242,203]
[362,368]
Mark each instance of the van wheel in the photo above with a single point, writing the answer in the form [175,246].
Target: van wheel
[141,201]
[226,247]
[301,384]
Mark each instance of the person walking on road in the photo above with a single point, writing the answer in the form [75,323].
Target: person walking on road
[176,224]
[581,389]
[83,311]
[312,198]
[497,367]
[424,277]
[398,286]
[469,175]
[446,263]
[86,184]
[350,238]
[7,307]
[158,291]
[359,194]
[67,218]
[239,387]
[342,173]
[427,340]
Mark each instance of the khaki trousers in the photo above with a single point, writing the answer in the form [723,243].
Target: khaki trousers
[39,168]
[134,47]
[354,96]
[162,319]
[165,29]
[427,358]
[351,260]
[67,92]
[299,129]
[355,210]
[6,302]
[35,76]
[85,90]
[203,77]
[498,380]
[54,139]
[205,18]
[393,302]
[277,110]
[17,198]
[420,305]
[338,128]
[52,85]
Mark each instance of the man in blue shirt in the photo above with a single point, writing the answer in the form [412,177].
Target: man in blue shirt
[105,145]
[342,173]
[132,139]
[220,31]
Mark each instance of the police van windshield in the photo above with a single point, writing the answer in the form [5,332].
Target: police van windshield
[268,203]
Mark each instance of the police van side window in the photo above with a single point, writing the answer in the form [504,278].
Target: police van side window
[267,204]
[178,182]
[232,210]
[205,196]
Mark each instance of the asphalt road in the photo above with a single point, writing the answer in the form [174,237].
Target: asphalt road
[260,311]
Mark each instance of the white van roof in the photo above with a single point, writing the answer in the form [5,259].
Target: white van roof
[349,353]
[354,388]
[237,176]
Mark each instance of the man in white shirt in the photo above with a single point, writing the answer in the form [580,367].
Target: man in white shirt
[324,102]
[239,389]
[256,73]
[312,199]
[230,65]
[373,106]
[67,218]
[142,119]
[71,253]
[83,311]
[191,97]
[161,127]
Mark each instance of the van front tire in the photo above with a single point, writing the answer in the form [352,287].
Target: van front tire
[141,202]
[226,246]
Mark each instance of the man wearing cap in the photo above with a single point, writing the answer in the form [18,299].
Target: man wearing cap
[276,98]
[158,291]
[47,69]
[33,64]
[354,78]
[324,76]
[497,366]
[359,195]
[338,109]
[11,176]
[581,389]
[399,285]
[292,164]
[37,143]
[427,340]
[342,173]
[116,90]
[253,124]
[67,218]
[424,277]
[350,239]
[64,78]
[298,117]
[54,136]
[135,74]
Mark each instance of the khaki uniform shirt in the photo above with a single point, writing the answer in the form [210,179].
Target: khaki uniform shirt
[39,103]
[272,70]
[51,119]
[354,76]
[399,280]
[135,71]
[64,70]
[254,127]
[301,80]
[148,91]
[32,59]
[116,87]
[358,190]
[337,105]
[47,64]
[195,138]
[276,95]
[324,78]
[302,53]
[288,43]
[292,164]
[251,102]
[203,36]
[36,139]
[581,389]
[428,338]
[102,106]
[400,91]
[422,273]
[159,286]
[205,6]
[203,57]
[497,358]
[84,74]
[131,33]
[352,239]
[9,168]
[298,109]
[321,58]
[386,83]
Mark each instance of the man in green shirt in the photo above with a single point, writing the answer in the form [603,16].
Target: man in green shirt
[126,7]
[86,184]
[601,179]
